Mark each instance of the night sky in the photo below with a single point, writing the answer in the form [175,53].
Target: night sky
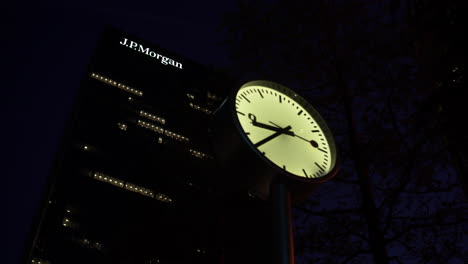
[50,45]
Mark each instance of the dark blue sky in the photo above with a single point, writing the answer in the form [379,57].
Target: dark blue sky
[48,49]
[49,46]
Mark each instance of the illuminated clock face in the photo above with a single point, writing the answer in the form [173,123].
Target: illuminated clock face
[285,129]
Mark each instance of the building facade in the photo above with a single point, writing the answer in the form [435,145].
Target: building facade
[136,178]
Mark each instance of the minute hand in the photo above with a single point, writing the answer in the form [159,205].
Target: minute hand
[279,132]
[272,128]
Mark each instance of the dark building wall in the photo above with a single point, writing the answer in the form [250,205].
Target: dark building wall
[133,182]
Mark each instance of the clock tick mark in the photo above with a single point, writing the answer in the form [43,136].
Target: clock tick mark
[320,167]
[260,93]
[305,173]
[240,113]
[315,131]
[246,98]
[321,150]
[280,99]
[300,112]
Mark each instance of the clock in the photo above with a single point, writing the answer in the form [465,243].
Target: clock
[285,130]
[281,135]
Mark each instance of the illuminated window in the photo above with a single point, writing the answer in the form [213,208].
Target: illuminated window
[139,189]
[128,186]
[67,222]
[97,246]
[153,117]
[122,126]
[39,261]
[199,108]
[213,96]
[163,198]
[162,131]
[199,154]
[150,126]
[117,84]
[175,136]
[190,96]
[106,178]
[84,242]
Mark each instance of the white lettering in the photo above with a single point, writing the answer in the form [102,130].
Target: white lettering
[142,50]
[133,44]
[124,42]
[164,60]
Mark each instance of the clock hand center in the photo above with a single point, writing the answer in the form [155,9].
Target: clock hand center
[312,142]
[253,118]
[276,134]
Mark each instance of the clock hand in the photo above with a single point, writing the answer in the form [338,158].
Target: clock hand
[272,128]
[312,142]
[279,132]
[291,134]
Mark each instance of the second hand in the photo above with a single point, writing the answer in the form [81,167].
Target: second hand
[312,142]
[294,134]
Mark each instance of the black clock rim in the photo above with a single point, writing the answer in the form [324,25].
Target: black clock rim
[308,107]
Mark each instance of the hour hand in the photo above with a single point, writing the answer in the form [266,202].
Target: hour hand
[265,126]
[278,133]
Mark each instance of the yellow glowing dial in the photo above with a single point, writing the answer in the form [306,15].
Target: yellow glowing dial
[284,128]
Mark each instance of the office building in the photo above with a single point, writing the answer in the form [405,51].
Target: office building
[136,179]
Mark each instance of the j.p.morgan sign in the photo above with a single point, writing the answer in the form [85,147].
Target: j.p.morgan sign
[138,47]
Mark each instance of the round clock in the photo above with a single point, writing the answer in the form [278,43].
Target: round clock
[285,130]
[283,136]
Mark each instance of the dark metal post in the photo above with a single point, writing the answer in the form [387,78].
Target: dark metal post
[283,249]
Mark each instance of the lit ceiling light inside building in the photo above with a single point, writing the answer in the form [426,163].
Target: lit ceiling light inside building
[116,84]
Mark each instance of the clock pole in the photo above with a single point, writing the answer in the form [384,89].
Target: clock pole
[283,243]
